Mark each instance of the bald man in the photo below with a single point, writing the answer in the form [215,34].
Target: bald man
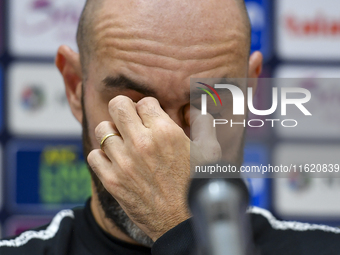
[129,87]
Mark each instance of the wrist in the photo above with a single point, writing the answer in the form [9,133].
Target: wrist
[170,224]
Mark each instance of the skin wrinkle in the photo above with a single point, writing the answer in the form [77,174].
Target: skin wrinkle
[130,57]
[158,58]
[170,41]
[122,116]
[151,111]
[129,33]
[193,52]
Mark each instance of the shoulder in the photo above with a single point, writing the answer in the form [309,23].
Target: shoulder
[276,224]
[274,236]
[42,239]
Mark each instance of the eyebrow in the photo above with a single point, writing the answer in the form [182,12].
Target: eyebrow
[122,82]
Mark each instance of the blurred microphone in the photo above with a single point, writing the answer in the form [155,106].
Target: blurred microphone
[221,224]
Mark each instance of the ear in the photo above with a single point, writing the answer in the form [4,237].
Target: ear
[68,63]
[255,69]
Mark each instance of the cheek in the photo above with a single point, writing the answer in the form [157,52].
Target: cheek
[96,112]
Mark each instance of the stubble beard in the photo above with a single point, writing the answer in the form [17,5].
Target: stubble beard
[113,211]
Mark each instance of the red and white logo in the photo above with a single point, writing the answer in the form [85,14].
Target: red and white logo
[319,25]
[308,30]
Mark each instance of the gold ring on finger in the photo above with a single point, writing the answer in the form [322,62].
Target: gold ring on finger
[104,139]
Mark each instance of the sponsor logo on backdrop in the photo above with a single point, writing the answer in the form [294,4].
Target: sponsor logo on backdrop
[325,102]
[41,16]
[308,31]
[39,27]
[299,194]
[320,25]
[301,182]
[63,177]
[37,102]
[326,96]
[298,181]
[59,176]
[32,98]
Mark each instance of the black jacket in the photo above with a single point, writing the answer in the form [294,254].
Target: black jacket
[75,231]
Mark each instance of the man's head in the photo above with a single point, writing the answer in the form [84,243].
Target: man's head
[142,48]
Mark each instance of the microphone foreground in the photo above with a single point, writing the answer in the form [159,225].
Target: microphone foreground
[221,224]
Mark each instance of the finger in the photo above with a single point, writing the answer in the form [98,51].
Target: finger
[111,144]
[102,167]
[124,115]
[201,126]
[149,110]
[202,132]
[99,162]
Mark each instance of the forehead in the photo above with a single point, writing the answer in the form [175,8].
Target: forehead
[170,41]
[200,21]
